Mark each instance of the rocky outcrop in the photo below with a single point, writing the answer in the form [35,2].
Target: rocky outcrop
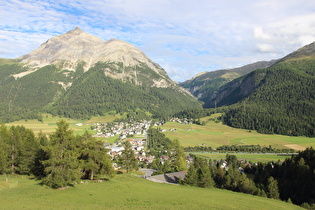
[75,47]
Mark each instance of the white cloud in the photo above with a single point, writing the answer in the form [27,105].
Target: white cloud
[184,36]
[265,48]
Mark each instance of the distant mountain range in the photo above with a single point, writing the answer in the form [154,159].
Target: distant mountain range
[79,75]
[204,85]
[277,99]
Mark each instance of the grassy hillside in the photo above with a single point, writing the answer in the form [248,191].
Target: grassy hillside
[216,134]
[126,192]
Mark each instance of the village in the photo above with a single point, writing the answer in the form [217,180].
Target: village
[134,132]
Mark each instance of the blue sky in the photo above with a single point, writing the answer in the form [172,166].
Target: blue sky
[185,37]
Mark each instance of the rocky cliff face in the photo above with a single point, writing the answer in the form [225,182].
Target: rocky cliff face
[75,47]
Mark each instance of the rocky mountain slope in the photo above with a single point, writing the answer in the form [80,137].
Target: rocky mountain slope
[77,47]
[79,75]
[205,84]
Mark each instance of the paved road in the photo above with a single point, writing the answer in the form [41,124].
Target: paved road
[148,172]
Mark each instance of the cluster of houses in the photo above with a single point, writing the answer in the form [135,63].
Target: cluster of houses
[182,121]
[134,132]
[121,129]
[138,146]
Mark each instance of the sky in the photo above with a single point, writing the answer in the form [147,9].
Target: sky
[185,37]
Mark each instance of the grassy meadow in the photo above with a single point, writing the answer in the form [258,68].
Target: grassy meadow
[49,123]
[216,134]
[212,134]
[126,192]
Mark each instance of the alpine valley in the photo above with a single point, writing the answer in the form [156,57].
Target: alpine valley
[270,97]
[78,75]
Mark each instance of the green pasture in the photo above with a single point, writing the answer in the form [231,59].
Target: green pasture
[49,124]
[126,192]
[216,134]
[253,157]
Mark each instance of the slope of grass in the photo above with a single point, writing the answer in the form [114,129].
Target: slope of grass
[216,134]
[127,192]
[4,61]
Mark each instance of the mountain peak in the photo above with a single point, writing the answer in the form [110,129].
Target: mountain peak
[67,50]
[75,47]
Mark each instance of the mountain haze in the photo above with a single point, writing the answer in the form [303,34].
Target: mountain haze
[79,75]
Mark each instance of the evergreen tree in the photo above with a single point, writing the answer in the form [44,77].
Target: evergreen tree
[62,168]
[191,177]
[273,191]
[29,147]
[94,157]
[127,159]
[219,177]
[14,146]
[205,179]
[178,156]
[4,139]
[38,169]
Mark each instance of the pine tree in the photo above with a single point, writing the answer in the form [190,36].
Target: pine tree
[62,168]
[4,139]
[14,146]
[273,191]
[94,157]
[191,177]
[178,156]
[127,158]
[204,174]
[41,155]
[27,151]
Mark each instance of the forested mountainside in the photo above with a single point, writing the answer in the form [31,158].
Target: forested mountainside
[79,75]
[94,93]
[206,84]
[279,99]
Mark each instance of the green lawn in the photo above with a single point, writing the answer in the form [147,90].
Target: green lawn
[49,124]
[126,192]
[243,156]
[216,134]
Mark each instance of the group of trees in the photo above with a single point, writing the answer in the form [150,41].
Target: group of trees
[60,160]
[291,181]
[199,174]
[252,148]
[238,148]
[169,155]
